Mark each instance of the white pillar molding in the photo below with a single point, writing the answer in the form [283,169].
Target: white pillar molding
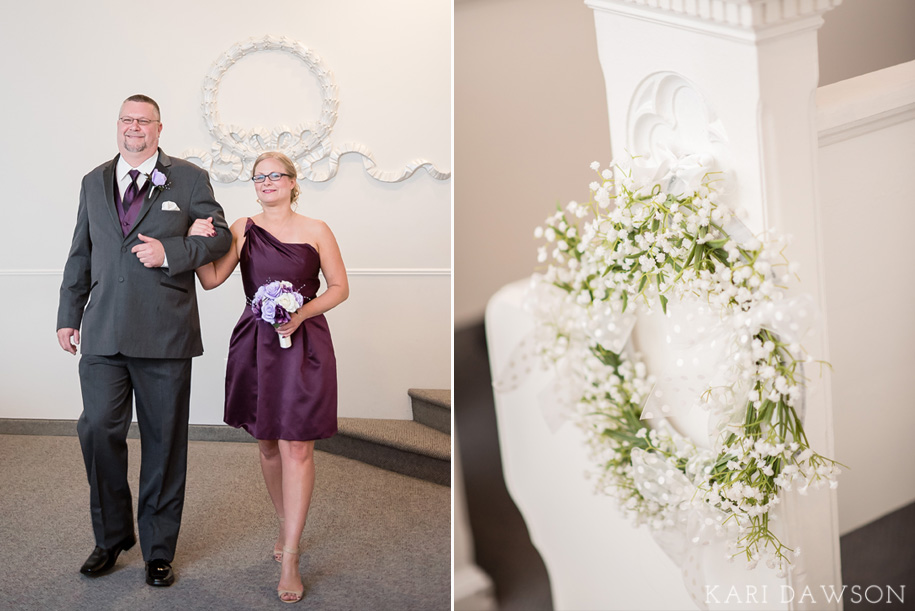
[737,79]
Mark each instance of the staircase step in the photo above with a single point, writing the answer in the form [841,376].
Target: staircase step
[401,434]
[432,407]
[402,446]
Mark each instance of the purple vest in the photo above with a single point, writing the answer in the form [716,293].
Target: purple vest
[130,217]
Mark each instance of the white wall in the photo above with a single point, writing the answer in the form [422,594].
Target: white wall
[65,69]
[867,152]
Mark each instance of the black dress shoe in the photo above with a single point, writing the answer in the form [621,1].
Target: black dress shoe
[159,573]
[101,560]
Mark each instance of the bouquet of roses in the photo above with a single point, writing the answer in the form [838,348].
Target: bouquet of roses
[275,303]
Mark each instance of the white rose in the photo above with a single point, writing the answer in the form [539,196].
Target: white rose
[288,302]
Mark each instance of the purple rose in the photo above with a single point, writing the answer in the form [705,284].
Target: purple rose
[273,290]
[158,179]
[256,301]
[281,316]
[268,311]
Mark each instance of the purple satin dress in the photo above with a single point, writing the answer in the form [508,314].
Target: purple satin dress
[274,392]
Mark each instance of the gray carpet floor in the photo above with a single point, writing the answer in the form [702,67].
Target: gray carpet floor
[374,539]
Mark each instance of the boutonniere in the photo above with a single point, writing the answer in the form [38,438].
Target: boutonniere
[159,182]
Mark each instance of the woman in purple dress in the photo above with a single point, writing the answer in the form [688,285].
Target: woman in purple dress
[284,397]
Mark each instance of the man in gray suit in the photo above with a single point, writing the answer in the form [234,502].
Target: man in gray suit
[129,281]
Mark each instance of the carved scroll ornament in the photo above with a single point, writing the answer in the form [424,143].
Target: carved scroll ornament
[308,144]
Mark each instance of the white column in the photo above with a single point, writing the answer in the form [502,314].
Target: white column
[737,79]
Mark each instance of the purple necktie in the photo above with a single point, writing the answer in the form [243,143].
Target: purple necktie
[132,190]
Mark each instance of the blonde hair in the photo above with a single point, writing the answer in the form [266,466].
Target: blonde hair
[289,167]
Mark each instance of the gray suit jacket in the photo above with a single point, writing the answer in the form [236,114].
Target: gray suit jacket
[123,306]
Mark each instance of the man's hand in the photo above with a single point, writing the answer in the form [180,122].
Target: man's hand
[63,338]
[151,253]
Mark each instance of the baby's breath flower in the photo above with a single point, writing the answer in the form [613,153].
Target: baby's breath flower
[649,237]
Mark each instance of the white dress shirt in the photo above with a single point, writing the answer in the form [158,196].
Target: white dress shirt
[122,169]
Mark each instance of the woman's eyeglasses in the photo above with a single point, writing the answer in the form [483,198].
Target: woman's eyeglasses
[274,176]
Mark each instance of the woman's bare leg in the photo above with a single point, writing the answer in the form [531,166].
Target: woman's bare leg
[298,478]
[272,468]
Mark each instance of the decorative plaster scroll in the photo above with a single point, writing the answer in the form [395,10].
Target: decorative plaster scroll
[368,162]
[308,144]
[669,117]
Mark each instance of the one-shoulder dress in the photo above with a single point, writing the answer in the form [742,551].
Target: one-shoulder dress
[274,392]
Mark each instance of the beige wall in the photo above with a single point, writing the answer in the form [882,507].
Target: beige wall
[861,36]
[530,115]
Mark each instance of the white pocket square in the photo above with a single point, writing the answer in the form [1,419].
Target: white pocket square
[170,206]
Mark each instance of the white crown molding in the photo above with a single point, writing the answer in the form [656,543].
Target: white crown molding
[308,144]
[746,20]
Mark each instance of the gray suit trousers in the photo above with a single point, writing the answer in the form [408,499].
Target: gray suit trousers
[162,389]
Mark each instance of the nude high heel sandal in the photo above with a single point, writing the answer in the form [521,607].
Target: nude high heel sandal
[297,595]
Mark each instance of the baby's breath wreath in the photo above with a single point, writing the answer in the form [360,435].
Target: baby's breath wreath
[656,235]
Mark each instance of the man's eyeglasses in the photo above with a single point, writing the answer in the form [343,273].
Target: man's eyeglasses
[141,122]
[274,176]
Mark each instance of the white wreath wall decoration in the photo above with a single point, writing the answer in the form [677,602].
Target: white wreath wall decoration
[308,144]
